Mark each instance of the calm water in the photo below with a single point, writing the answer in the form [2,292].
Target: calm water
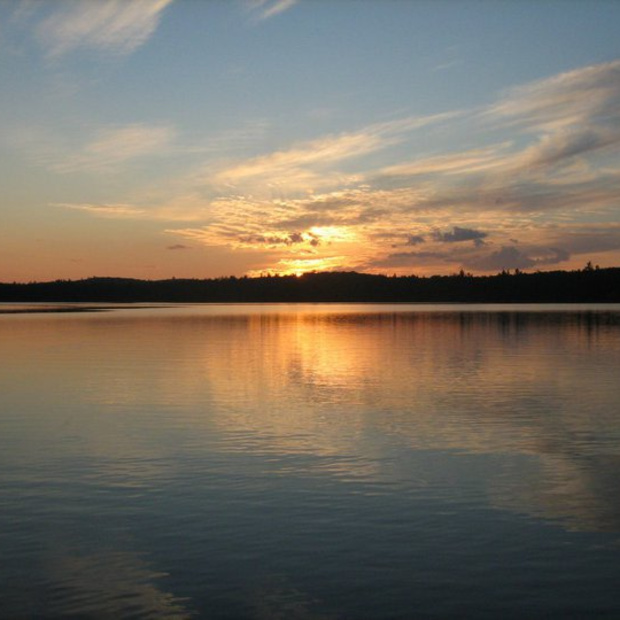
[311,462]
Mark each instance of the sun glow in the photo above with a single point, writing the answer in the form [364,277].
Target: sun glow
[327,234]
[299,266]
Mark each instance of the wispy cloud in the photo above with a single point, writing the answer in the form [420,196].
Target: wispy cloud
[565,145]
[190,208]
[450,64]
[464,162]
[562,127]
[312,165]
[103,210]
[264,9]
[108,148]
[585,95]
[304,167]
[238,139]
[586,238]
[111,26]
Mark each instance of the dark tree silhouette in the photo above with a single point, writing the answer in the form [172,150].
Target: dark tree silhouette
[586,285]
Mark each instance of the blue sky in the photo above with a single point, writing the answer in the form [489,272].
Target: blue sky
[201,138]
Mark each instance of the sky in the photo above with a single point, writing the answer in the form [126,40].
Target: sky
[208,138]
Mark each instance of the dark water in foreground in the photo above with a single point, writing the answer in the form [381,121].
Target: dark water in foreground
[311,462]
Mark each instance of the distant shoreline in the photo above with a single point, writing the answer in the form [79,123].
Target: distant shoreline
[34,308]
[588,285]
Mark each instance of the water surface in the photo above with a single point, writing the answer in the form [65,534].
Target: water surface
[311,462]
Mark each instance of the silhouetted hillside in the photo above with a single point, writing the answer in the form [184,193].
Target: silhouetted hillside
[587,285]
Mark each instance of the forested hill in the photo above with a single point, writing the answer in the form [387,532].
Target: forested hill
[586,285]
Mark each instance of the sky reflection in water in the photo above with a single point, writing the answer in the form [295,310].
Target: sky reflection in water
[311,462]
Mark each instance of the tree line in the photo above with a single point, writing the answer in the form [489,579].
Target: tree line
[586,285]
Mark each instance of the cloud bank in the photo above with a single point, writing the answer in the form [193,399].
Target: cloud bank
[540,187]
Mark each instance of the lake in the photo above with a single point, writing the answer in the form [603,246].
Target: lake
[307,462]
